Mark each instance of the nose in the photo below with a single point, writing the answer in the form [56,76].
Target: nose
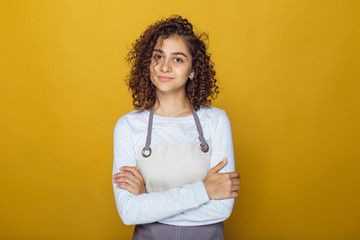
[165,66]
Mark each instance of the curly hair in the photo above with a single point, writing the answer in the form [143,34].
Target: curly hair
[199,91]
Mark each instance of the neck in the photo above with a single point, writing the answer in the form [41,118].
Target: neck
[172,105]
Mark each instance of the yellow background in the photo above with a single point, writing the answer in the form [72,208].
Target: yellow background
[289,74]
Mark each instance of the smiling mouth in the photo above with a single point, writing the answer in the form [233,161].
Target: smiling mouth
[164,79]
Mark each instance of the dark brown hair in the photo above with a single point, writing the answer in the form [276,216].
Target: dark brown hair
[199,91]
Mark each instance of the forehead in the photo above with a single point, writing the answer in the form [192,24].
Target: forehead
[172,44]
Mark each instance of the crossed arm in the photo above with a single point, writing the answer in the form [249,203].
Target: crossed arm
[199,203]
[215,186]
[218,185]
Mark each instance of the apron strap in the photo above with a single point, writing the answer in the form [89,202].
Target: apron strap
[203,145]
[148,137]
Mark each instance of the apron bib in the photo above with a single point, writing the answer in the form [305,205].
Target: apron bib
[167,166]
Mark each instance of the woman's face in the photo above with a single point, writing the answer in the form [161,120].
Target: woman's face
[170,65]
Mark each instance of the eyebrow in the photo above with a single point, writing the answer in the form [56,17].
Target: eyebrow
[174,53]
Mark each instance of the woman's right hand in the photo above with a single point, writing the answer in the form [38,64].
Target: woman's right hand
[221,185]
[130,179]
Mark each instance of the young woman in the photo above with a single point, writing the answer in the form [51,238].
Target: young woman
[173,156]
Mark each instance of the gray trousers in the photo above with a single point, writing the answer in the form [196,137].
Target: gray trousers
[159,231]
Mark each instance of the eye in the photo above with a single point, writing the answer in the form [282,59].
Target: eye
[157,57]
[178,60]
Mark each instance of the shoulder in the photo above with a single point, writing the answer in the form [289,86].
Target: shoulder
[214,114]
[217,120]
[127,121]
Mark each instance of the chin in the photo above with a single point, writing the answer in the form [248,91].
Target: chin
[166,89]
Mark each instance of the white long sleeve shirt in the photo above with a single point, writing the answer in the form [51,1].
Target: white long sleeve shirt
[185,206]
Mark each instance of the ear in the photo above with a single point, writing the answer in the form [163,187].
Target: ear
[192,74]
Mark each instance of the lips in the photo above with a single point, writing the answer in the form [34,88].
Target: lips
[164,79]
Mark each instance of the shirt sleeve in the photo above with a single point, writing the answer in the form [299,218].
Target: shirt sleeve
[150,207]
[214,210]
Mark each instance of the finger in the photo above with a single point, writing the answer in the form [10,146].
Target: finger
[129,175]
[120,180]
[119,174]
[125,186]
[133,170]
[234,174]
[235,181]
[125,179]
[122,185]
[235,188]
[135,180]
[219,166]
[115,175]
[234,195]
[123,174]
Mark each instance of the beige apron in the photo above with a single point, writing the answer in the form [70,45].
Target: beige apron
[168,166]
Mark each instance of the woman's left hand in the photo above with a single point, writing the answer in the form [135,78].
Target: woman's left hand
[130,179]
